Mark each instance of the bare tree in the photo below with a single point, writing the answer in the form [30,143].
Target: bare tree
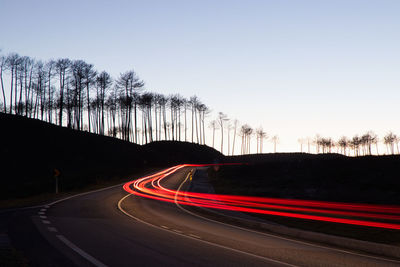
[355,145]
[275,141]
[203,113]
[89,75]
[62,66]
[13,61]
[103,82]
[3,67]
[222,118]
[309,142]
[326,144]
[193,103]
[316,142]
[343,143]
[213,126]
[246,131]
[301,141]
[389,140]
[369,139]
[235,125]
[130,85]
[261,136]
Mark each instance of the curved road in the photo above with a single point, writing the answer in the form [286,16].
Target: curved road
[112,228]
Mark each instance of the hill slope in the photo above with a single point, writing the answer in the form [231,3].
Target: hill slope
[329,177]
[31,149]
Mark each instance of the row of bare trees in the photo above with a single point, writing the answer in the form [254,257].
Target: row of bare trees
[232,129]
[358,145]
[72,93]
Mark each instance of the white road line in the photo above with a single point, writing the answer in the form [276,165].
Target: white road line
[80,251]
[48,205]
[165,227]
[43,217]
[195,236]
[42,210]
[198,239]
[52,229]
[177,231]
[46,222]
[276,236]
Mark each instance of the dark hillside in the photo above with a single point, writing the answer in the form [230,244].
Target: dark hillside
[30,150]
[330,177]
[173,152]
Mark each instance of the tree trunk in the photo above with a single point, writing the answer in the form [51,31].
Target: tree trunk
[2,88]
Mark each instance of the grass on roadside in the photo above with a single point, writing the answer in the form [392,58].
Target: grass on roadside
[228,181]
[49,197]
[10,257]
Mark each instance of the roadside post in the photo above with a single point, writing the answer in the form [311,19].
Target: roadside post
[56,175]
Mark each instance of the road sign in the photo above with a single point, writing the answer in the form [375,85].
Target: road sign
[56,173]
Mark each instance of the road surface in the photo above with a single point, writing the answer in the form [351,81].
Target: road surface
[112,228]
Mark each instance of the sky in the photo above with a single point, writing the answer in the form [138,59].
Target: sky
[296,68]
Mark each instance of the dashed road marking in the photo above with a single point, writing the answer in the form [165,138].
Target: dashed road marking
[163,226]
[52,229]
[41,213]
[43,217]
[177,231]
[195,236]
[42,210]
[46,222]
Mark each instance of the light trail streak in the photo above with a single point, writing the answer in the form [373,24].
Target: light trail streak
[380,216]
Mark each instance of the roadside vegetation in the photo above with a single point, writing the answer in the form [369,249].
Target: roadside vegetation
[325,177]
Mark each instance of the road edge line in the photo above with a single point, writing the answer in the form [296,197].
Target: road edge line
[197,239]
[82,253]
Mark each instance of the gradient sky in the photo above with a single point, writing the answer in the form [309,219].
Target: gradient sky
[298,68]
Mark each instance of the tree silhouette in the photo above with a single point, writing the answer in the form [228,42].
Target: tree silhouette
[193,107]
[275,141]
[343,143]
[213,126]
[62,66]
[13,62]
[229,127]
[301,142]
[3,67]
[235,125]
[389,140]
[103,83]
[222,119]
[355,145]
[368,140]
[129,85]
[246,131]
[261,135]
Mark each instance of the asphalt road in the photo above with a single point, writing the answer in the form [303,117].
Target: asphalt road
[111,228]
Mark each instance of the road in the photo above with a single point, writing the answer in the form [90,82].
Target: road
[112,228]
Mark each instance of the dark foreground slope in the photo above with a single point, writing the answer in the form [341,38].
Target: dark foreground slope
[330,177]
[30,150]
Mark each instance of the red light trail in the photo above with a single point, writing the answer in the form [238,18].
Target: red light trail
[380,216]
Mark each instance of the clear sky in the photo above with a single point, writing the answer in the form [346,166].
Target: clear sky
[297,68]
